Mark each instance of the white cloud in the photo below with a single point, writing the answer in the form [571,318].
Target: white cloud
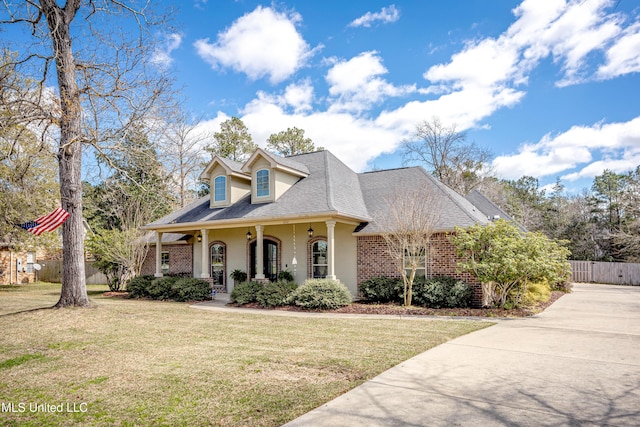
[386,15]
[486,75]
[162,54]
[355,85]
[616,144]
[624,56]
[296,97]
[491,73]
[353,140]
[263,43]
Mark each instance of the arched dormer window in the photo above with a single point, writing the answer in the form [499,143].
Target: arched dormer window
[262,183]
[220,188]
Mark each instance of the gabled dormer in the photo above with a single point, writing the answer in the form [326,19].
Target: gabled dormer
[227,182]
[271,175]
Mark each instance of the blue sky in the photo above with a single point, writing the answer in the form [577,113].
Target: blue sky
[551,87]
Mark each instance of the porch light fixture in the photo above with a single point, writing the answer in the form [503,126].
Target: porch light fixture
[249,235]
[310,231]
[199,238]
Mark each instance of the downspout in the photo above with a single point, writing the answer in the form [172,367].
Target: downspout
[10,266]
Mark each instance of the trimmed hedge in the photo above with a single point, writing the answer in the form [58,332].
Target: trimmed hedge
[323,294]
[438,292]
[169,288]
[442,292]
[191,289]
[382,289]
[245,293]
[137,286]
[275,294]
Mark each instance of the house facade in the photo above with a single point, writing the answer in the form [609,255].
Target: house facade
[308,214]
[18,266]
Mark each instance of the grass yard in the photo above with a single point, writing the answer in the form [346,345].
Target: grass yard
[131,362]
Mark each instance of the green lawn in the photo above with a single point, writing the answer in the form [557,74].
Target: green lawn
[132,362]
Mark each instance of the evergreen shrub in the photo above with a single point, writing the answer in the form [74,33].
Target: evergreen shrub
[322,294]
[382,289]
[245,292]
[138,286]
[275,294]
[191,289]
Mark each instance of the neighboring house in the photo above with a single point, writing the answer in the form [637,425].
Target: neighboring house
[309,214]
[17,266]
[21,266]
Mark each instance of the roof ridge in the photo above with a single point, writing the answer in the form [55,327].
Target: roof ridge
[390,169]
[330,203]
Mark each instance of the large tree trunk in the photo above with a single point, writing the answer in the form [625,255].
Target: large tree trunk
[74,290]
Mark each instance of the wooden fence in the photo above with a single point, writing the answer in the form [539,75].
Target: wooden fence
[52,272]
[617,273]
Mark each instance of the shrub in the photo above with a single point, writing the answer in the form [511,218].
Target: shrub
[191,289]
[441,292]
[275,294]
[245,292]
[536,292]
[382,289]
[460,295]
[321,294]
[162,288]
[137,287]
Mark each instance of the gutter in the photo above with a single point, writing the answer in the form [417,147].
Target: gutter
[244,222]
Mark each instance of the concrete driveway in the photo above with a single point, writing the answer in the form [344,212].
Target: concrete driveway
[578,363]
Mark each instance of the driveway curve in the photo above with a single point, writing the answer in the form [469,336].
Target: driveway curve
[577,363]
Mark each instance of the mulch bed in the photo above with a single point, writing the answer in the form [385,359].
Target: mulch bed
[398,310]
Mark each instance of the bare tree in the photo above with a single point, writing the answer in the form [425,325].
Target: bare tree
[410,221]
[444,151]
[183,140]
[102,86]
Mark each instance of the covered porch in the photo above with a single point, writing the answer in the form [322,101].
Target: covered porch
[314,247]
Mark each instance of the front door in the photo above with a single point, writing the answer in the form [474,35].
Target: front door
[269,259]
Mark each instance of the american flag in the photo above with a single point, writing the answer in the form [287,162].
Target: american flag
[46,223]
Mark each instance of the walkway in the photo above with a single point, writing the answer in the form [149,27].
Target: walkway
[578,363]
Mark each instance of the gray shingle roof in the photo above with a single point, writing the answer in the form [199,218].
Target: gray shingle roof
[231,164]
[332,187]
[380,186]
[488,208]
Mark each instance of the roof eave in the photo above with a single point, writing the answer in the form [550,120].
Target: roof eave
[244,222]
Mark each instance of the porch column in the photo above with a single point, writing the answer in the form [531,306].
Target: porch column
[206,261]
[158,254]
[259,254]
[330,249]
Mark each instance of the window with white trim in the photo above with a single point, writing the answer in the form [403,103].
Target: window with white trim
[164,262]
[262,183]
[31,256]
[417,257]
[220,189]
[319,266]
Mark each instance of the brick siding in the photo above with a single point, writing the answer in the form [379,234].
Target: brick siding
[374,261]
[180,259]
[8,267]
